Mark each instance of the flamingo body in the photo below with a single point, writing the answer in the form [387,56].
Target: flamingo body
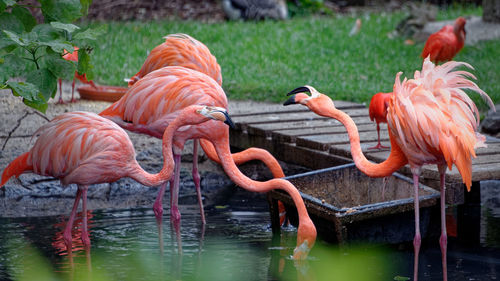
[378,112]
[443,45]
[82,77]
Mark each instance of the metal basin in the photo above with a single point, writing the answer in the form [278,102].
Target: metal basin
[346,205]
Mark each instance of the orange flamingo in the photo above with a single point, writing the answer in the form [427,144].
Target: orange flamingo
[83,78]
[181,50]
[378,113]
[152,102]
[84,148]
[431,121]
[446,43]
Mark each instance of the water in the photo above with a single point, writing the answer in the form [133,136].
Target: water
[236,244]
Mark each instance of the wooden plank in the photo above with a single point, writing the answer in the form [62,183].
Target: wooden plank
[289,135]
[323,142]
[255,108]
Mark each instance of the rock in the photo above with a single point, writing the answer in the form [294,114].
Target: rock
[491,123]
[255,9]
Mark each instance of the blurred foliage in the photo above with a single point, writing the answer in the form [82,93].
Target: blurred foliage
[34,51]
[307,7]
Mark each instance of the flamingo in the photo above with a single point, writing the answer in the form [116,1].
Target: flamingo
[84,148]
[431,120]
[446,43]
[152,102]
[83,78]
[378,113]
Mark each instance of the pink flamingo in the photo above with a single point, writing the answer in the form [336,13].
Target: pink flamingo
[378,113]
[83,78]
[84,148]
[431,121]
[153,101]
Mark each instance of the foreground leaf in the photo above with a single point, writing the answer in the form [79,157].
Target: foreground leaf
[44,80]
[25,16]
[24,89]
[61,10]
[84,65]
[64,26]
[60,67]
[10,66]
[10,22]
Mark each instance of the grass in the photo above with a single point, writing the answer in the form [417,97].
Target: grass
[262,61]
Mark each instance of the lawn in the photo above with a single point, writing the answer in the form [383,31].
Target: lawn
[264,60]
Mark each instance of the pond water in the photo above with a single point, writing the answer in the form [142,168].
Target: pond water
[236,244]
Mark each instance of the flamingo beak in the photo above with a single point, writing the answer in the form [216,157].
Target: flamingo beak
[228,121]
[291,100]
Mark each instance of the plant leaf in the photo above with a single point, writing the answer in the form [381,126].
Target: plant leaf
[10,66]
[44,80]
[60,67]
[85,6]
[23,89]
[38,104]
[6,3]
[15,38]
[58,46]
[61,10]
[10,22]
[25,16]
[46,33]
[64,26]
[91,33]
[84,65]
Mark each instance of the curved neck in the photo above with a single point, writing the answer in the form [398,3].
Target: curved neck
[396,158]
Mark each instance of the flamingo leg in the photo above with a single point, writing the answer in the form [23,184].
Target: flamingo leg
[417,240]
[443,240]
[69,226]
[85,233]
[175,215]
[158,205]
[196,179]
[379,145]
[60,101]
[73,91]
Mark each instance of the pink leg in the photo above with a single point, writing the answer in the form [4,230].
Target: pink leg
[158,205]
[175,215]
[196,179]
[85,233]
[379,145]
[417,240]
[60,101]
[443,240]
[69,226]
[73,91]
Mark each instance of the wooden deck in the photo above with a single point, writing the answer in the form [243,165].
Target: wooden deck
[294,134]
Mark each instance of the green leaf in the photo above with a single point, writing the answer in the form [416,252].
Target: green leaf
[60,67]
[46,33]
[91,33]
[61,10]
[44,80]
[85,6]
[64,26]
[10,66]
[58,46]
[10,22]
[15,38]
[84,65]
[25,16]
[38,104]
[6,44]
[25,90]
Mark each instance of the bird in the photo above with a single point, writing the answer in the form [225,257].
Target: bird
[431,120]
[443,45]
[180,50]
[84,148]
[378,111]
[356,27]
[152,102]
[148,106]
[255,9]
[83,77]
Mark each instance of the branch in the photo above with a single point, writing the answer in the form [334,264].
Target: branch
[19,124]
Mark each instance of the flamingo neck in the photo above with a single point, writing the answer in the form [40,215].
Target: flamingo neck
[396,158]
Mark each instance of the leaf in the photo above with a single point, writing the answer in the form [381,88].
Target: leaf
[85,6]
[60,67]
[25,16]
[46,33]
[91,33]
[25,90]
[15,38]
[6,3]
[39,104]
[84,65]
[6,44]
[45,81]
[11,66]
[64,26]
[10,22]
[59,46]
[61,10]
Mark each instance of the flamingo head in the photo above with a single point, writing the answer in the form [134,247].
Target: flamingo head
[460,25]
[216,113]
[306,237]
[317,102]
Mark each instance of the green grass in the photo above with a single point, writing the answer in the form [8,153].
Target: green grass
[264,60]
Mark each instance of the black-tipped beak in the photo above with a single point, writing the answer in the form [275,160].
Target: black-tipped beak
[229,121]
[299,90]
[289,101]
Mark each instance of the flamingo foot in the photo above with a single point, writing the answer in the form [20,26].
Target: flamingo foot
[68,239]
[73,100]
[60,101]
[379,146]
[417,241]
[158,210]
[443,242]
[175,215]
[85,239]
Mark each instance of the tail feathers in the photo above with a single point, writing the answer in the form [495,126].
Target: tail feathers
[112,110]
[15,168]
